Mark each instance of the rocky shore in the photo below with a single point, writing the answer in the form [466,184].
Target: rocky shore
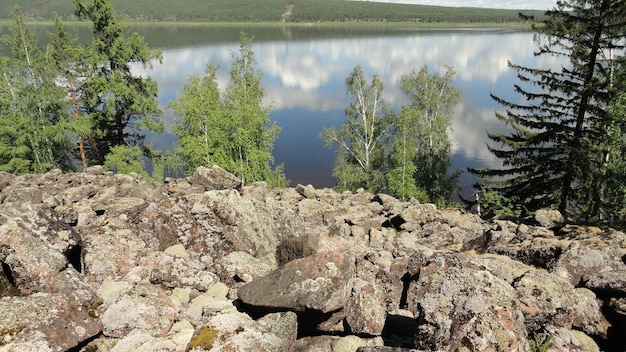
[100,262]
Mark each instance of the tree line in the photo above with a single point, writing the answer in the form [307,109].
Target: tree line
[343,11]
[269,11]
[69,106]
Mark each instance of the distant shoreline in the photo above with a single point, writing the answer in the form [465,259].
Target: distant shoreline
[354,24]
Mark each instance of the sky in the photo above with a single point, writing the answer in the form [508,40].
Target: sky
[498,4]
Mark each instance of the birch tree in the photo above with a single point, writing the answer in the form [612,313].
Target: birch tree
[201,123]
[422,145]
[34,132]
[249,129]
[229,128]
[361,139]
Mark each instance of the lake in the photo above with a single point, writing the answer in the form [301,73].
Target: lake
[304,70]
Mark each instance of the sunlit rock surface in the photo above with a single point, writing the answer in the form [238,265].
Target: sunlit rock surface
[101,262]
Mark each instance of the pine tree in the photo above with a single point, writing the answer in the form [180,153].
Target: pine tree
[362,138]
[554,156]
[34,132]
[122,106]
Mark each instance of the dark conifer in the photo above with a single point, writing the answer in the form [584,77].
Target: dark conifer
[557,150]
[122,106]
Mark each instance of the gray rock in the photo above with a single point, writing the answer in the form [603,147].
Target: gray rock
[565,340]
[608,282]
[319,282]
[226,328]
[140,308]
[548,300]
[152,265]
[173,271]
[549,218]
[59,322]
[578,261]
[366,309]
[214,178]
[460,307]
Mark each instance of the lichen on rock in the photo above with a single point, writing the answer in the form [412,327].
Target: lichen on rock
[119,263]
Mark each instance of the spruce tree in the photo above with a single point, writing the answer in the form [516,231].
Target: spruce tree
[555,154]
[67,54]
[612,179]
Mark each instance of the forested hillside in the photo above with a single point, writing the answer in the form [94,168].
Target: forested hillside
[268,10]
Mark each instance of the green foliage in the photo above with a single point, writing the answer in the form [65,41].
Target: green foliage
[121,107]
[232,128]
[67,54]
[251,131]
[406,155]
[273,10]
[421,146]
[562,132]
[612,191]
[493,203]
[201,123]
[541,342]
[339,10]
[124,160]
[34,130]
[361,140]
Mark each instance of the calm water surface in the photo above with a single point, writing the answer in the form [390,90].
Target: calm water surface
[305,69]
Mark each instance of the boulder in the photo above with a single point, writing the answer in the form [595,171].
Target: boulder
[228,329]
[102,262]
[607,282]
[52,320]
[140,308]
[319,282]
[214,178]
[549,300]
[461,307]
[578,261]
[174,271]
[549,218]
[366,309]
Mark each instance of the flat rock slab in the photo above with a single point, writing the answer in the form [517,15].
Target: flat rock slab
[319,282]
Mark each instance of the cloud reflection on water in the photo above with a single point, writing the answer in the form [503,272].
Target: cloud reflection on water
[304,82]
